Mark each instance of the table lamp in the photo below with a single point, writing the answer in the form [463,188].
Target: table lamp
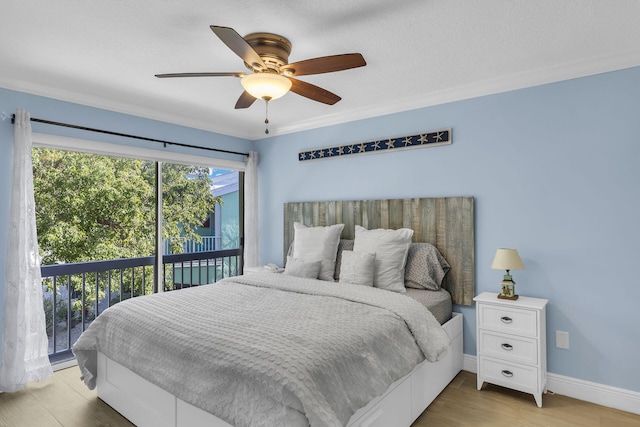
[507,259]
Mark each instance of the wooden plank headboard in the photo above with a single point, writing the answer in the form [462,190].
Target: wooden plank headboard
[446,222]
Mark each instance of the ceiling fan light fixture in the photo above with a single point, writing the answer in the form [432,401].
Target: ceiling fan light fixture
[266,85]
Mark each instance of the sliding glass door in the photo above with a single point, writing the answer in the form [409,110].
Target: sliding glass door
[107,234]
[200,221]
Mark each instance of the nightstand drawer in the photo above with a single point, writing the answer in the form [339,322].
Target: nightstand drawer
[511,321]
[517,349]
[512,375]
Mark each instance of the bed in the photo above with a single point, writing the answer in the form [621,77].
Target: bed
[391,387]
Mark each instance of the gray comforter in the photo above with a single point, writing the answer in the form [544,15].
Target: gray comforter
[267,349]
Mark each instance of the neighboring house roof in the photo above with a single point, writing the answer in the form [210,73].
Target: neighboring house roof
[224,182]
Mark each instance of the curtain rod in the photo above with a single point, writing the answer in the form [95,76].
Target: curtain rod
[108,132]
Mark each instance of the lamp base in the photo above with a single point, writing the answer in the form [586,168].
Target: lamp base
[508,287]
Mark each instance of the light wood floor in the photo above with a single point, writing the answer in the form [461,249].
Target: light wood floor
[65,401]
[461,404]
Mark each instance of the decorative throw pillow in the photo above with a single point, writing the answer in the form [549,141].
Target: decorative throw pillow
[391,248]
[344,245]
[426,267]
[318,244]
[302,268]
[357,268]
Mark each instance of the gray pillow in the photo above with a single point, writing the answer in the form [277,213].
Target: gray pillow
[357,268]
[302,268]
[426,267]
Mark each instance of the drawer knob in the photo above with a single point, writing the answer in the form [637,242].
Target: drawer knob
[506,319]
[507,346]
[507,373]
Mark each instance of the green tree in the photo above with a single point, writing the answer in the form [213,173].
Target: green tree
[94,207]
[187,202]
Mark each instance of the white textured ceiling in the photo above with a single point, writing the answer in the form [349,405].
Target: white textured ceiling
[418,52]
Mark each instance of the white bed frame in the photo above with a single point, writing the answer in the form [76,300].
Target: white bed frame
[146,404]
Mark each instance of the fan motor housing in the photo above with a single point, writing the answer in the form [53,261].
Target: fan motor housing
[272,48]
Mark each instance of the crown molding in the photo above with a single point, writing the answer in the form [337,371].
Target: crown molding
[119,107]
[567,71]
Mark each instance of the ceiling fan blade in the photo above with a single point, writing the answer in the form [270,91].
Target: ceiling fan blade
[324,64]
[162,76]
[239,46]
[313,92]
[245,100]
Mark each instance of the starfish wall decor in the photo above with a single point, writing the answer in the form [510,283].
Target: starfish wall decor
[425,139]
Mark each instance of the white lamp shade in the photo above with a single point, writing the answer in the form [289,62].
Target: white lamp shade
[507,259]
[266,85]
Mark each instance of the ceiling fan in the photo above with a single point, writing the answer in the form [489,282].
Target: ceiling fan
[266,55]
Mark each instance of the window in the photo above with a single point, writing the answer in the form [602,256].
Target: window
[97,218]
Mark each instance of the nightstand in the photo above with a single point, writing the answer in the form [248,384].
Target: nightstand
[262,269]
[512,343]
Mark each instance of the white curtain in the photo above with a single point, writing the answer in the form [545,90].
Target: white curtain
[24,340]
[251,228]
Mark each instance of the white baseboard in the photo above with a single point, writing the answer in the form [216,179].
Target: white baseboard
[600,394]
[613,397]
[470,363]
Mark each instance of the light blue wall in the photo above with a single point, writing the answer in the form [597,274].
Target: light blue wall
[555,172]
[553,169]
[50,109]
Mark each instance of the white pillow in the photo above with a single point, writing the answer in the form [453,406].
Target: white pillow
[357,268]
[302,268]
[391,248]
[318,244]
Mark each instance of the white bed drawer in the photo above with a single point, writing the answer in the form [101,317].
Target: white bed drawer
[509,347]
[507,374]
[503,319]
[393,410]
[144,404]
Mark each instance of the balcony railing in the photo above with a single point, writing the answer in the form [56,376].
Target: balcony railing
[206,244]
[75,294]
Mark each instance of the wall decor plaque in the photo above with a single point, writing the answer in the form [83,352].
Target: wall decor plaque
[425,139]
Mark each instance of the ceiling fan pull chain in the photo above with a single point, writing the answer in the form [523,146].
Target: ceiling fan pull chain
[266,115]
